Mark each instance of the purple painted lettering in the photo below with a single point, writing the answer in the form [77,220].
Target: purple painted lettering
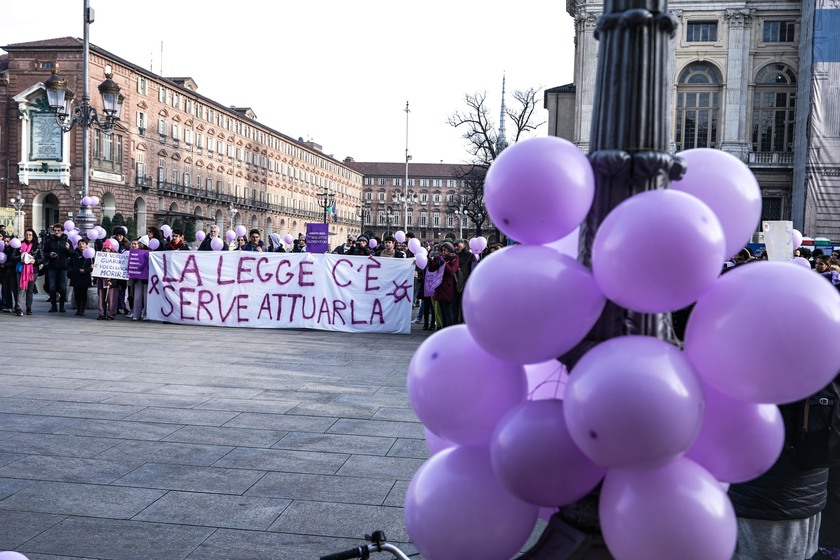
[265,305]
[205,298]
[335,278]
[154,282]
[222,315]
[376,311]
[303,309]
[262,278]
[302,273]
[241,269]
[369,277]
[166,277]
[325,308]
[185,303]
[338,307]
[353,320]
[191,267]
[167,301]
[289,275]
[242,308]
[219,280]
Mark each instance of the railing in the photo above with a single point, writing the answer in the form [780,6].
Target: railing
[771,158]
[143,182]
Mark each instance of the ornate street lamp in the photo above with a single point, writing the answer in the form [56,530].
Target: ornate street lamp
[325,200]
[389,218]
[61,100]
[232,212]
[18,204]
[404,197]
[459,215]
[407,200]
[363,212]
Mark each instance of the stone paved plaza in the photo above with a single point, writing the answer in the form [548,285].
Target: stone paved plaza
[139,440]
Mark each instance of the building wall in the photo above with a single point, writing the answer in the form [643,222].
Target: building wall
[282,180]
[739,56]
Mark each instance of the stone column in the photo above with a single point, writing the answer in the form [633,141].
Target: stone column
[736,136]
[586,49]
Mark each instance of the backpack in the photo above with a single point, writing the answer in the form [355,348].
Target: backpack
[459,281]
[816,438]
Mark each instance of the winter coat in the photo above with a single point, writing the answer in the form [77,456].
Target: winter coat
[446,291]
[79,270]
[61,247]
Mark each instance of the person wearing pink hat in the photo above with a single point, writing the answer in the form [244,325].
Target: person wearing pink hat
[107,289]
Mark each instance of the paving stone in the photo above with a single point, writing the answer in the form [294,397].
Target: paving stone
[229,544]
[287,422]
[395,414]
[88,500]
[90,410]
[396,497]
[181,416]
[396,468]
[20,405]
[341,520]
[241,437]
[282,460]
[17,527]
[121,430]
[6,458]
[335,443]
[191,478]
[110,539]
[414,448]
[35,423]
[58,444]
[160,401]
[333,409]
[65,469]
[323,488]
[249,405]
[378,428]
[9,486]
[215,510]
[140,452]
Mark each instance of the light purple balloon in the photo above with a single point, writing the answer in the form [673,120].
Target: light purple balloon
[633,401]
[14,243]
[85,201]
[633,275]
[89,253]
[539,189]
[435,443]
[100,231]
[166,230]
[94,201]
[676,511]
[473,244]
[729,187]
[567,245]
[455,507]
[69,225]
[200,235]
[216,244]
[481,243]
[550,301]
[230,235]
[288,239]
[765,303]
[373,243]
[459,391]
[421,260]
[414,245]
[796,239]
[92,234]
[399,235]
[536,459]
[241,231]
[803,262]
[9,555]
[3,258]
[2,244]
[154,243]
[546,380]
[737,454]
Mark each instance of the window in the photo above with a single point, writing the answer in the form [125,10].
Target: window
[698,107]
[701,32]
[436,198]
[422,219]
[142,86]
[188,136]
[162,127]
[424,198]
[141,122]
[397,182]
[411,182]
[162,94]
[368,196]
[436,182]
[175,174]
[46,65]
[176,132]
[141,164]
[771,208]
[408,217]
[381,196]
[176,100]
[451,183]
[161,170]
[424,182]
[380,181]
[778,31]
[436,219]
[773,109]
[187,178]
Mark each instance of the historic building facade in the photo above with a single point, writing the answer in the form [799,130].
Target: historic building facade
[427,205]
[175,155]
[738,71]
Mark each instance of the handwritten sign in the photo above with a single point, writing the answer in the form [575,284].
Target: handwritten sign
[281,290]
[110,265]
[778,239]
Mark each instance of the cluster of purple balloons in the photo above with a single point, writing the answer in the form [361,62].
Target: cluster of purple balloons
[653,422]
[90,201]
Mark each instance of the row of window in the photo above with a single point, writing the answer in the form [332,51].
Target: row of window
[412,182]
[699,105]
[422,221]
[772,31]
[422,197]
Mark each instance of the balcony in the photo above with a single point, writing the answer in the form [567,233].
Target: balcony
[144,183]
[771,159]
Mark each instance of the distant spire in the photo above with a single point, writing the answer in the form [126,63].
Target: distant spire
[501,141]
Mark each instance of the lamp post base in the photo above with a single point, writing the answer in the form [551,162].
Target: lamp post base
[85,220]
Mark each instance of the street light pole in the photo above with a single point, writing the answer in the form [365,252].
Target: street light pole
[232,212]
[18,204]
[407,159]
[363,212]
[460,213]
[84,115]
[325,200]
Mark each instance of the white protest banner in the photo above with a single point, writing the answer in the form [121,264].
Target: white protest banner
[110,265]
[281,290]
[778,240]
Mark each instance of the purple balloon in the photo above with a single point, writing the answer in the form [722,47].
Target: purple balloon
[536,459]
[9,555]
[399,235]
[632,275]
[2,244]
[550,302]
[89,253]
[200,235]
[737,454]
[288,239]
[546,380]
[85,201]
[94,200]
[421,260]
[154,243]
[729,187]
[92,234]
[414,245]
[459,391]
[69,225]
[455,507]
[241,231]
[216,244]
[373,243]
[435,443]
[803,262]
[473,244]
[230,235]
[796,239]
[538,190]
[633,401]
[14,243]
[3,258]
[480,243]
[676,511]
[775,305]
[166,231]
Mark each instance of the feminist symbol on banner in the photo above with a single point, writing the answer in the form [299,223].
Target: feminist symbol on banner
[400,291]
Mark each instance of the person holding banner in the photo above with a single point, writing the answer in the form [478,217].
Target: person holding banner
[361,247]
[107,289]
[139,287]
[80,279]
[176,243]
[254,243]
[206,245]
[275,244]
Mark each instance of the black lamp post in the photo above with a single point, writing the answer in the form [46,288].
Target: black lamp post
[60,101]
[325,200]
[363,212]
[18,203]
[389,217]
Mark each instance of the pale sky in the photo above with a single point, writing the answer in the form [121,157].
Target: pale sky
[337,72]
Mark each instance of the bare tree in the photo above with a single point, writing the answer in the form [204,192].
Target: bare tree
[484,145]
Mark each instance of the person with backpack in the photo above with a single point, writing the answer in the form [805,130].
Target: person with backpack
[780,512]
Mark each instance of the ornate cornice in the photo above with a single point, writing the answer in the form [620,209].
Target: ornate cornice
[739,18]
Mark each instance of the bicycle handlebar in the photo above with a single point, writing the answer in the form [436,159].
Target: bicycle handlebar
[357,552]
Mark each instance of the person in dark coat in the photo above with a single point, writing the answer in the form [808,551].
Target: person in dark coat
[80,278]
[445,293]
[57,251]
[206,244]
[779,512]
[360,247]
